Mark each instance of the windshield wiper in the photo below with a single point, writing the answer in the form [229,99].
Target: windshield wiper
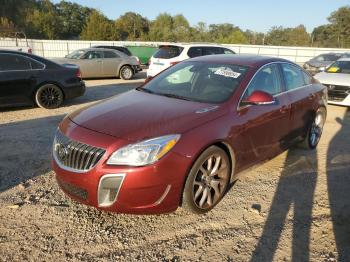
[175,96]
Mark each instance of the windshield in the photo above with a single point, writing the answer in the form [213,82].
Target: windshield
[198,81]
[76,54]
[339,67]
[330,57]
[167,52]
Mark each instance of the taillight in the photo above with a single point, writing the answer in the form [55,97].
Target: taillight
[78,74]
[149,61]
[30,51]
[174,63]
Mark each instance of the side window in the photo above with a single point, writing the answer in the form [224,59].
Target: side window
[194,51]
[307,78]
[267,79]
[36,65]
[293,76]
[13,62]
[92,55]
[110,54]
[213,51]
[228,51]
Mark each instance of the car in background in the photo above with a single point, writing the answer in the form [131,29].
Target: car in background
[321,62]
[337,79]
[27,79]
[100,62]
[184,136]
[122,49]
[168,55]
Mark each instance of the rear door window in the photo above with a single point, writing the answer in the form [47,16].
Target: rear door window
[167,52]
[293,76]
[195,51]
[213,51]
[110,54]
[14,62]
[92,55]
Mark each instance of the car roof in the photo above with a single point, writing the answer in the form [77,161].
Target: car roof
[192,44]
[244,60]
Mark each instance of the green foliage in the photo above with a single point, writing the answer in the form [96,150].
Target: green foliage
[131,26]
[297,36]
[98,27]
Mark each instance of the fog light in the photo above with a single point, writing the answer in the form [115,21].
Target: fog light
[108,189]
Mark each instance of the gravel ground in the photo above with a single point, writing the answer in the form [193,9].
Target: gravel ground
[294,207]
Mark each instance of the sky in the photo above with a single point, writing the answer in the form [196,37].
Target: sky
[256,15]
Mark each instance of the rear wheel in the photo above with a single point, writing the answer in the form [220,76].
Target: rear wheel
[126,73]
[49,96]
[314,133]
[207,181]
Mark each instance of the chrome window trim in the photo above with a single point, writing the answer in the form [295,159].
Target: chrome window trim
[276,95]
[27,57]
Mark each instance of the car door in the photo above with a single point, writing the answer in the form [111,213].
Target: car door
[111,63]
[17,79]
[91,64]
[263,127]
[301,96]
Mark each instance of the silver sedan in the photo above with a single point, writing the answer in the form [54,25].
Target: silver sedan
[98,62]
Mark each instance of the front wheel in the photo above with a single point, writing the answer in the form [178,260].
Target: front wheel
[207,181]
[49,96]
[126,73]
[314,133]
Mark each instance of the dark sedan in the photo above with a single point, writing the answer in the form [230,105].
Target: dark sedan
[185,135]
[27,79]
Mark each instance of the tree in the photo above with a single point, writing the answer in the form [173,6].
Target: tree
[43,21]
[181,28]
[98,27]
[161,28]
[226,34]
[72,17]
[132,26]
[340,21]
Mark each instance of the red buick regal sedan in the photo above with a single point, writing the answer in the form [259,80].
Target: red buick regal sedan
[185,135]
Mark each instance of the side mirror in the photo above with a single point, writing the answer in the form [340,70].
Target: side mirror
[259,98]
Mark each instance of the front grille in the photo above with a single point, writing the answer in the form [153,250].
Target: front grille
[75,155]
[73,190]
[337,92]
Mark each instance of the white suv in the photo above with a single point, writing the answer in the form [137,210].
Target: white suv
[168,55]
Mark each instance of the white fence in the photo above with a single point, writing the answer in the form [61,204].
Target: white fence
[60,48]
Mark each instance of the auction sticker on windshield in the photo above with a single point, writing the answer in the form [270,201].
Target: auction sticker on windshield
[227,73]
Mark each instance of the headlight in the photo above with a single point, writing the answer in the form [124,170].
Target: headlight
[143,153]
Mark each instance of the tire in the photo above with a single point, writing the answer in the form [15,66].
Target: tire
[49,96]
[126,73]
[204,187]
[315,130]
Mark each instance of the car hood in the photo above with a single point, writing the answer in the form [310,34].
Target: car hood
[319,64]
[333,79]
[136,115]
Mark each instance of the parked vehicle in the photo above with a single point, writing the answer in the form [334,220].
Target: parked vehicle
[27,79]
[321,62]
[182,137]
[18,42]
[99,62]
[122,49]
[168,55]
[337,80]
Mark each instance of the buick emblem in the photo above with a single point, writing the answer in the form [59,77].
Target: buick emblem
[62,151]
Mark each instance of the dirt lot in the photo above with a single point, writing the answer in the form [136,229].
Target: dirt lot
[295,207]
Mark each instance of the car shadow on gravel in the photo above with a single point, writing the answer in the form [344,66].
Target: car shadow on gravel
[338,181]
[295,190]
[25,150]
[100,92]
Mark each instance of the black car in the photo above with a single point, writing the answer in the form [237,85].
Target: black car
[29,79]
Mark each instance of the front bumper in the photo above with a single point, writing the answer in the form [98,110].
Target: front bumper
[151,189]
[136,68]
